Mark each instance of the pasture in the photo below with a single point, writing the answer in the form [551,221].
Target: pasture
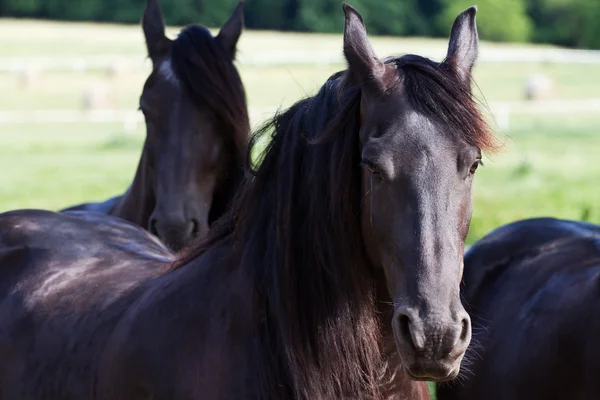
[549,165]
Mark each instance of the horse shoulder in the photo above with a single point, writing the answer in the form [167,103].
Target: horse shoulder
[196,349]
[60,297]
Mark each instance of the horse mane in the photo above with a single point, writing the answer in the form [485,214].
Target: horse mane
[207,72]
[434,90]
[316,282]
[295,232]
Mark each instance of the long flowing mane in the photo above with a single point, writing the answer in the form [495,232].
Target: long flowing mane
[298,218]
[208,74]
[433,90]
[295,231]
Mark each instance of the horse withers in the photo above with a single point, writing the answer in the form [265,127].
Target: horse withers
[334,275]
[197,130]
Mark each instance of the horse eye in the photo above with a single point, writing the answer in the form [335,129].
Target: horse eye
[370,167]
[474,166]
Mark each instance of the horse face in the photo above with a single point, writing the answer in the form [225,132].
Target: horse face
[183,158]
[416,186]
[185,152]
[417,209]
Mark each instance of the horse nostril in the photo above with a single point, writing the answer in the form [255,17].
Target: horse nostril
[194,223]
[466,327]
[404,326]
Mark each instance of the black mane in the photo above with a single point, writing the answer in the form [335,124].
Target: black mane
[301,226]
[297,224]
[434,91]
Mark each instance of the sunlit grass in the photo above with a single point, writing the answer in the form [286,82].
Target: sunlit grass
[549,165]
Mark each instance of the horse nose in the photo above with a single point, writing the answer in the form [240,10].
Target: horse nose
[175,232]
[412,331]
[432,346]
[412,334]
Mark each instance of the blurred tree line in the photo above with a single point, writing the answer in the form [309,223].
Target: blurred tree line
[565,22]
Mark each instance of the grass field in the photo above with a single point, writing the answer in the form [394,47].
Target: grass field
[549,167]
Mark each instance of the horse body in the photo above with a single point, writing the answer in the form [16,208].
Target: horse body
[197,129]
[76,318]
[334,275]
[532,289]
[224,346]
[66,292]
[211,357]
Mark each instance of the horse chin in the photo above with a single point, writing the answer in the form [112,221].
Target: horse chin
[435,377]
[421,366]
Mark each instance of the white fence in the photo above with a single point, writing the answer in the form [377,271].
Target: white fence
[491,54]
[501,111]
[129,119]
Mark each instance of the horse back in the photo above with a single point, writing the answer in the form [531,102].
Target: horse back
[62,294]
[487,259]
[532,289]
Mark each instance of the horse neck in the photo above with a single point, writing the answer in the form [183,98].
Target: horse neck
[225,193]
[137,204]
[312,276]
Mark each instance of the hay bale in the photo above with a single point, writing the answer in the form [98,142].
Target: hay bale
[30,76]
[539,87]
[95,97]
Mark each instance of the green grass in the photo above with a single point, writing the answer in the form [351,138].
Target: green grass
[548,168]
[69,164]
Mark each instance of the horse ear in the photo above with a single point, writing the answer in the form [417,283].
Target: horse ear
[154,30]
[231,31]
[464,44]
[363,64]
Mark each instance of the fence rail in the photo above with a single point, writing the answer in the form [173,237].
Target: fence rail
[487,55]
[501,111]
[129,119]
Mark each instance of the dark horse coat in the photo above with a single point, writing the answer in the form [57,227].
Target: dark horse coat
[533,291]
[334,275]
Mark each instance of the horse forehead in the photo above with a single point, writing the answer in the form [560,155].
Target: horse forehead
[412,132]
[166,72]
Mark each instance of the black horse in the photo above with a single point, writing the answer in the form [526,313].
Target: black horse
[197,129]
[532,289]
[334,275]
